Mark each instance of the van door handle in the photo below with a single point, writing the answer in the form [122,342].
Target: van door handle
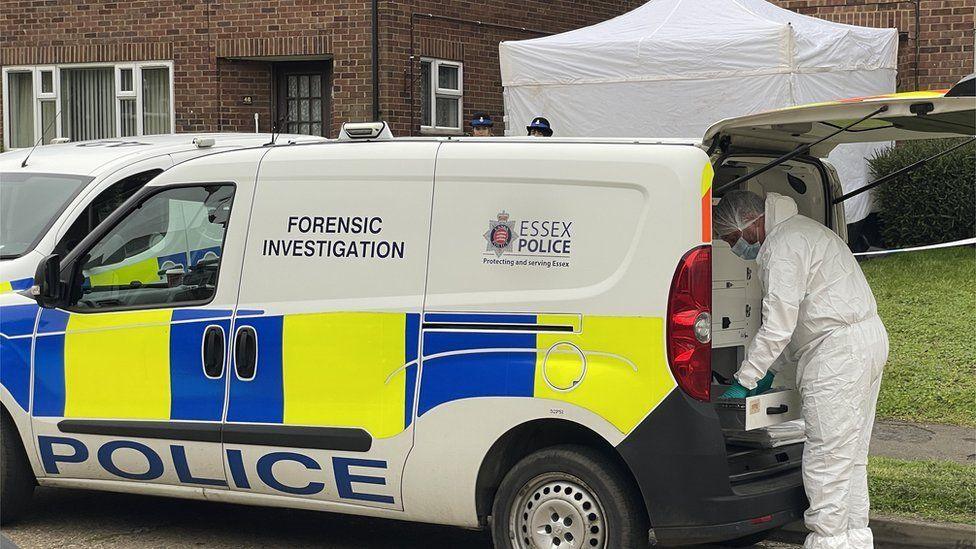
[246,353]
[213,352]
[776,410]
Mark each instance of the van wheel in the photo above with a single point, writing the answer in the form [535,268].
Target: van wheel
[16,477]
[569,496]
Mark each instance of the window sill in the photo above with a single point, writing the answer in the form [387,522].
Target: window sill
[428,130]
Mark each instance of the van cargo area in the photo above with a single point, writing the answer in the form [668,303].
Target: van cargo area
[761,441]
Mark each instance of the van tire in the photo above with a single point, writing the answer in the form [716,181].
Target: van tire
[16,478]
[599,487]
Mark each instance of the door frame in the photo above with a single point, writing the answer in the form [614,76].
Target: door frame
[282,69]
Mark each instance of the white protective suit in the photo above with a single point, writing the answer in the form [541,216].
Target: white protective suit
[818,308]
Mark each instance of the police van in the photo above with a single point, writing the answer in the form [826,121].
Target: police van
[53,196]
[524,335]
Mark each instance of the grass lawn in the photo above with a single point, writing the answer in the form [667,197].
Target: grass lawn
[927,301]
[935,490]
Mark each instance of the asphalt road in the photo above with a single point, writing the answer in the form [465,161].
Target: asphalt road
[83,519]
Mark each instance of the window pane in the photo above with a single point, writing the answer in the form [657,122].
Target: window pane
[303,85]
[316,110]
[47,82]
[88,103]
[164,253]
[425,93]
[316,86]
[128,114]
[292,86]
[303,110]
[29,203]
[155,101]
[48,123]
[316,128]
[447,77]
[21,89]
[125,77]
[447,112]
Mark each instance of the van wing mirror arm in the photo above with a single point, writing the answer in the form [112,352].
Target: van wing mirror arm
[897,173]
[793,154]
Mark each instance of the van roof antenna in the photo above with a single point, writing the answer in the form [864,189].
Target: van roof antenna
[38,142]
[275,131]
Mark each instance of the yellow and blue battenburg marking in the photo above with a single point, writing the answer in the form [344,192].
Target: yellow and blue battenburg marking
[331,369]
[16,285]
[128,365]
[342,369]
[16,329]
[624,377]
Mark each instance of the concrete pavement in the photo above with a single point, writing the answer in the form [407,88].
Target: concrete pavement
[914,441]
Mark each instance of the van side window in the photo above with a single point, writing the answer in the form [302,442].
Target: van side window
[165,252]
[99,208]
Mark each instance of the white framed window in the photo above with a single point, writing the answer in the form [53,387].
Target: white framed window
[86,101]
[442,95]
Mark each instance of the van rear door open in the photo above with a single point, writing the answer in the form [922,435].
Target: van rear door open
[908,116]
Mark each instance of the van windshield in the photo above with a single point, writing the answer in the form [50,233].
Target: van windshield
[29,205]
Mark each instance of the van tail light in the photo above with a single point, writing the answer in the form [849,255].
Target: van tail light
[690,323]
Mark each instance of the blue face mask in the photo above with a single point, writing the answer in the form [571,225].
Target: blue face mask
[745,250]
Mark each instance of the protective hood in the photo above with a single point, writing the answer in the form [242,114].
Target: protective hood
[779,208]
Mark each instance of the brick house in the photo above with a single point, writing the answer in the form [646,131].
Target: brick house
[233,65]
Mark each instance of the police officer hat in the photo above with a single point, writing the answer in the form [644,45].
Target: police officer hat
[541,124]
[481,120]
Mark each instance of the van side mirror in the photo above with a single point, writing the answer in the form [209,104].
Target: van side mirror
[47,288]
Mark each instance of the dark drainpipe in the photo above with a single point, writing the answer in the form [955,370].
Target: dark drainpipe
[376,61]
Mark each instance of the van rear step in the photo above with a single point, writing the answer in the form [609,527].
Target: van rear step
[751,464]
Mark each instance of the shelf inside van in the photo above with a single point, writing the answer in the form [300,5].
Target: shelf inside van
[745,414]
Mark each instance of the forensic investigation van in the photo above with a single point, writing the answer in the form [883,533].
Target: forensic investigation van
[525,335]
[52,196]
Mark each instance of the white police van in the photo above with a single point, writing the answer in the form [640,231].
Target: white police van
[516,334]
[53,196]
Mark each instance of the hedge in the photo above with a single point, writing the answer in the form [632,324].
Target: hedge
[935,203]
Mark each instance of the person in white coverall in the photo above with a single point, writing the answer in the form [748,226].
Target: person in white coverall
[819,310]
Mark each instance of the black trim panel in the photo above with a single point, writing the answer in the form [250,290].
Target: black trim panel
[348,439]
[345,439]
[196,431]
[491,327]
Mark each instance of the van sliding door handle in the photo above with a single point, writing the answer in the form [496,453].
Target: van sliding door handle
[246,353]
[776,410]
[213,352]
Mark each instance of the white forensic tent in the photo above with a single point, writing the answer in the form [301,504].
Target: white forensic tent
[671,68]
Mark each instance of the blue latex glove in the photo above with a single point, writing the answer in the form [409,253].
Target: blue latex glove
[764,384]
[736,391]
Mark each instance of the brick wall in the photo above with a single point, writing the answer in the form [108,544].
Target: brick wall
[213,44]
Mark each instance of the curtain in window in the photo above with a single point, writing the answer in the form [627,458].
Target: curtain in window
[21,88]
[155,101]
[88,103]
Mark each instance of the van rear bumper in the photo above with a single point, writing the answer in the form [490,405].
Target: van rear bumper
[680,462]
[683,535]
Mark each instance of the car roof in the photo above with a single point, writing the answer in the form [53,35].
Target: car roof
[92,157]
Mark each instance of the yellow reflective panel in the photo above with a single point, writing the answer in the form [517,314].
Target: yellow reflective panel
[626,372]
[144,271]
[116,365]
[5,287]
[344,370]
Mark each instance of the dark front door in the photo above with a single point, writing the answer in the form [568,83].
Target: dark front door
[302,93]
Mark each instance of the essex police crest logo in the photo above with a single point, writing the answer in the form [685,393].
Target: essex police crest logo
[500,234]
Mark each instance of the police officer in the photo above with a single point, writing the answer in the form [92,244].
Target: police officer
[539,127]
[481,125]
